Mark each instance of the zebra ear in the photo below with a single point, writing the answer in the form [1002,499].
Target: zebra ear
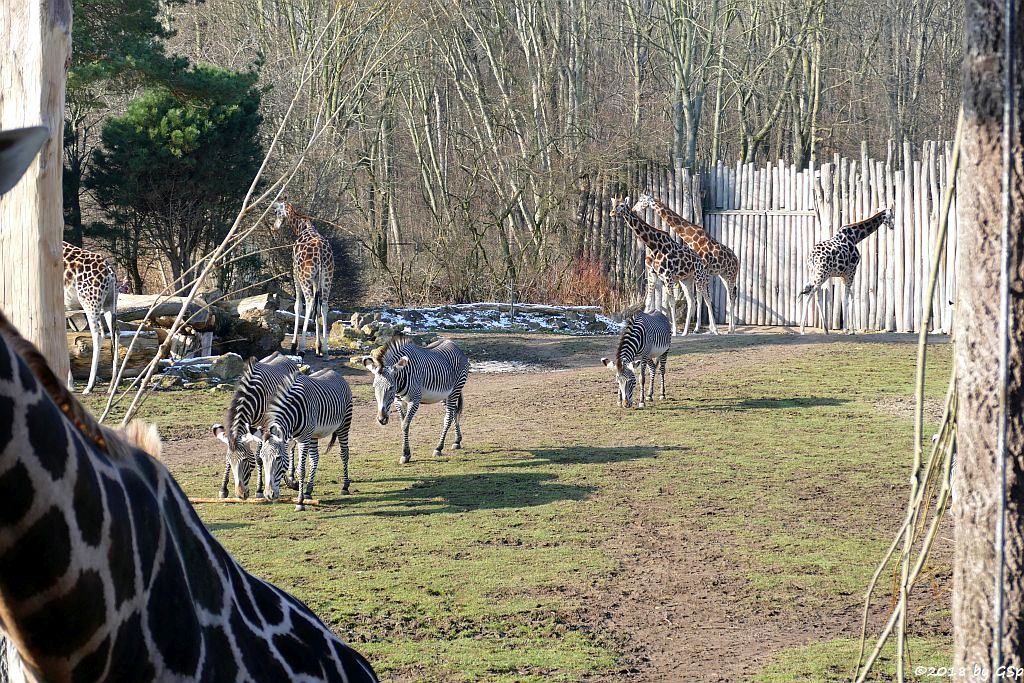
[276,433]
[369,364]
[402,362]
[607,362]
[255,435]
[218,431]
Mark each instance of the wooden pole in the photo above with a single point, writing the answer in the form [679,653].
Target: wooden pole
[37,39]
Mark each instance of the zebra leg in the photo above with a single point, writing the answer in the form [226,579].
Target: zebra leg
[342,436]
[643,377]
[414,405]
[661,362]
[314,462]
[260,483]
[224,484]
[653,366]
[449,417]
[300,455]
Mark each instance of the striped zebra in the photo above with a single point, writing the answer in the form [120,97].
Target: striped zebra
[645,340]
[311,408]
[415,375]
[260,382]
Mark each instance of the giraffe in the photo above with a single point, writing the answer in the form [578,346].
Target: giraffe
[719,259]
[106,571]
[90,283]
[670,261]
[838,257]
[313,270]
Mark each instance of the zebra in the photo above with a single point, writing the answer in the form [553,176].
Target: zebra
[260,382]
[312,407]
[645,339]
[415,375]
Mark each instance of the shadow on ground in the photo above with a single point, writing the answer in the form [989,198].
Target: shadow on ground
[741,404]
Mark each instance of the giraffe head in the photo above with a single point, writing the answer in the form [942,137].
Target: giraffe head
[645,202]
[889,217]
[626,379]
[619,206]
[18,148]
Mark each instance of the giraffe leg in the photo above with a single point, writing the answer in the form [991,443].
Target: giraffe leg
[298,308]
[704,292]
[96,331]
[731,289]
[821,311]
[688,293]
[309,304]
[111,318]
[803,309]
[848,323]
[696,320]
[326,352]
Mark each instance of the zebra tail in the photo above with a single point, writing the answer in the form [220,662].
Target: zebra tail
[334,437]
[458,405]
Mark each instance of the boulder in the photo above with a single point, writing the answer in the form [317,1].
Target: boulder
[166,381]
[227,368]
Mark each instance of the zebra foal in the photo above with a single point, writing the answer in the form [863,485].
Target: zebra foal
[645,340]
[433,374]
[260,382]
[311,408]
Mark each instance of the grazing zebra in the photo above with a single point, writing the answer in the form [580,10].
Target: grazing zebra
[260,382]
[645,339]
[436,373]
[311,408]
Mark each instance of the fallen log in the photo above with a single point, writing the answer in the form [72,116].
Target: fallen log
[134,307]
[259,302]
[257,501]
[80,351]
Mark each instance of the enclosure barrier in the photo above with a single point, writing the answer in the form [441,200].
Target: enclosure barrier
[772,216]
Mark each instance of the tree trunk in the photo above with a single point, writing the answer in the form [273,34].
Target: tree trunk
[37,37]
[980,463]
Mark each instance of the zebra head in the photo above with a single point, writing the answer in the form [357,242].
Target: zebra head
[274,456]
[240,456]
[626,379]
[384,383]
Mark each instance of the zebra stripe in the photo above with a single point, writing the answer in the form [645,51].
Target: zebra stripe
[415,375]
[260,382]
[645,339]
[311,408]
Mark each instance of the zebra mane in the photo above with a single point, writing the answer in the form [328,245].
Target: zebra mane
[628,320]
[397,342]
[233,417]
[276,399]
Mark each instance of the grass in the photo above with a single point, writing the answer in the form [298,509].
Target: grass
[478,566]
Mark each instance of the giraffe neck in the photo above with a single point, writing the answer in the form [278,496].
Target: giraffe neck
[857,232]
[648,234]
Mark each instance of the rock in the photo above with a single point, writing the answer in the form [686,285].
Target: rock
[255,333]
[357,320]
[225,388]
[376,317]
[201,384]
[305,369]
[367,331]
[227,368]
[166,381]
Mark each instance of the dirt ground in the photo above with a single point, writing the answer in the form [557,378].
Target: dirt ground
[664,577]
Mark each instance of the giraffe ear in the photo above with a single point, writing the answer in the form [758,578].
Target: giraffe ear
[17,150]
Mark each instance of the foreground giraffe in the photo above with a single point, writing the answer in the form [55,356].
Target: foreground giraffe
[313,271]
[838,257]
[671,262]
[719,259]
[106,571]
[90,283]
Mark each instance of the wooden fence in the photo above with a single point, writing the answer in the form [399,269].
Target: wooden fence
[772,216]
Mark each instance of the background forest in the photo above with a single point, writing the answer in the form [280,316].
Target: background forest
[455,137]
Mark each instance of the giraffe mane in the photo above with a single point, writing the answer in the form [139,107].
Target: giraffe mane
[117,443]
[57,390]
